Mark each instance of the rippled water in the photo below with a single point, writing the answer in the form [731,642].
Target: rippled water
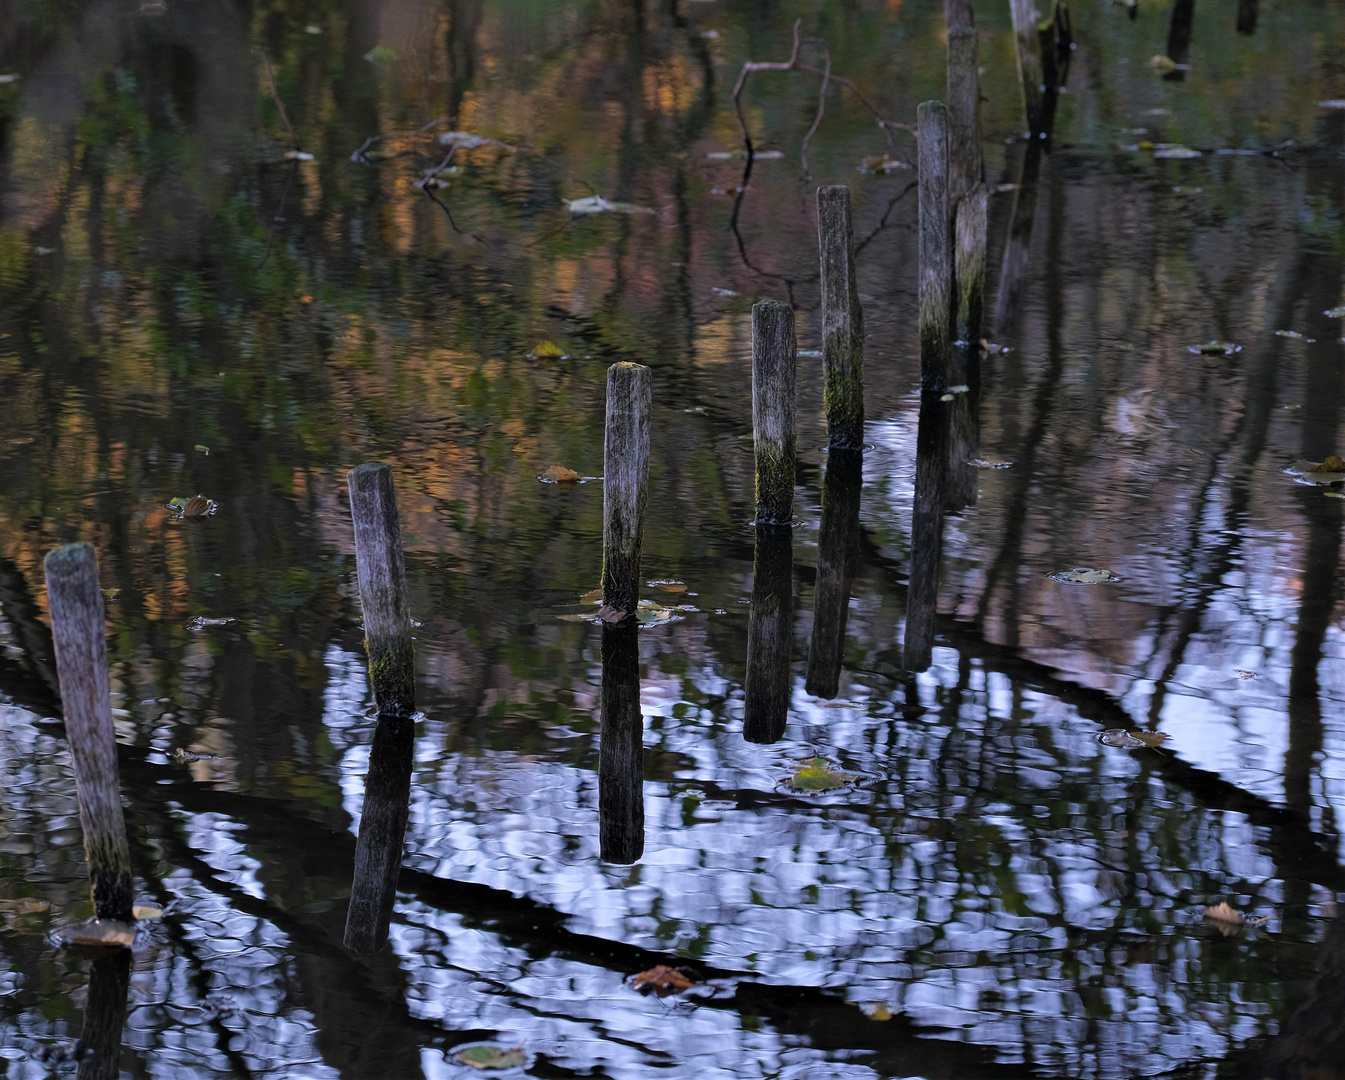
[1001,890]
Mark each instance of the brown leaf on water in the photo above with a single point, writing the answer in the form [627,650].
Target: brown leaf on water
[198,506]
[662,980]
[1332,464]
[593,596]
[1161,64]
[1151,738]
[546,350]
[609,614]
[559,474]
[668,585]
[1226,918]
[107,932]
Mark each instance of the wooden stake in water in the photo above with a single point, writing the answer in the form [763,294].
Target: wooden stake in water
[936,256]
[842,322]
[79,631]
[770,636]
[969,242]
[931,466]
[837,556]
[621,748]
[774,363]
[625,483]
[378,852]
[1027,41]
[382,577]
[965,165]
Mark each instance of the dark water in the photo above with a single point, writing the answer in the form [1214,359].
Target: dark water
[185,310]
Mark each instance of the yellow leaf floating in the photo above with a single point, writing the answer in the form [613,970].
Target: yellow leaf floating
[547,350]
[1331,464]
[559,474]
[146,912]
[668,585]
[106,933]
[816,774]
[485,1056]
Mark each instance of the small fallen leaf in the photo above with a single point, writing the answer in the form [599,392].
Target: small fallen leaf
[991,349]
[1334,494]
[609,614]
[310,29]
[111,594]
[1332,464]
[725,155]
[23,905]
[1161,64]
[662,980]
[1243,673]
[198,506]
[668,585]
[596,204]
[559,474]
[183,757]
[380,54]
[146,912]
[547,350]
[1227,918]
[1124,738]
[882,165]
[1082,575]
[1174,151]
[593,596]
[1214,348]
[106,932]
[649,613]
[298,155]
[876,1012]
[201,448]
[816,774]
[1288,333]
[485,1056]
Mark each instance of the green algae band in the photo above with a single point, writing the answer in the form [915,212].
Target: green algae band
[625,484]
[842,321]
[774,364]
[382,579]
[79,632]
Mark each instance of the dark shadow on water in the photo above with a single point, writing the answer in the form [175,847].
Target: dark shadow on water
[931,478]
[837,556]
[621,747]
[1179,36]
[100,1043]
[770,634]
[378,853]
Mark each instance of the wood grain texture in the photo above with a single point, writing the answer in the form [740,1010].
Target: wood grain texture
[969,242]
[966,168]
[774,368]
[79,632]
[922,594]
[770,636]
[837,558]
[378,851]
[1027,43]
[625,483]
[381,570]
[936,255]
[621,748]
[842,321]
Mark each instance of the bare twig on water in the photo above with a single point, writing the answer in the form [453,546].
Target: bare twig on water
[794,64]
[886,214]
[361,157]
[424,182]
[278,218]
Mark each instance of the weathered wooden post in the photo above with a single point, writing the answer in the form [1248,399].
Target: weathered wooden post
[625,484]
[381,571]
[936,262]
[842,322]
[621,748]
[79,631]
[837,556]
[770,636]
[774,362]
[966,171]
[378,851]
[1027,40]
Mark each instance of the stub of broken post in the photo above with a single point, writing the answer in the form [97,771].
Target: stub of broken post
[625,483]
[381,570]
[936,262]
[78,629]
[842,322]
[774,366]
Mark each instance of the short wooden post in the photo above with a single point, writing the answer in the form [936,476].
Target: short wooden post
[621,748]
[837,557]
[104,1016]
[768,688]
[79,631]
[382,576]
[625,483]
[378,851]
[936,261]
[1027,40]
[842,322]
[774,361]
[966,168]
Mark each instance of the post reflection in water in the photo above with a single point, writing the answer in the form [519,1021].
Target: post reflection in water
[964,427]
[770,634]
[104,1017]
[837,555]
[378,853]
[931,479]
[621,747]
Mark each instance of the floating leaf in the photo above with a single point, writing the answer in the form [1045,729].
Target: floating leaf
[1082,575]
[668,585]
[547,350]
[146,912]
[651,614]
[1243,673]
[989,463]
[380,54]
[485,1056]
[111,594]
[1214,348]
[23,905]
[725,155]
[466,140]
[608,613]
[1174,151]
[559,474]
[1123,738]
[1226,917]
[593,596]
[816,774]
[298,155]
[991,349]
[662,980]
[596,204]
[200,622]
[183,757]
[1331,465]
[1161,64]
[1335,494]
[876,1012]
[105,932]
[1291,334]
[198,506]
[201,448]
[882,165]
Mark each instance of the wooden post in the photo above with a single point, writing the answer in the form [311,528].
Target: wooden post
[382,577]
[969,243]
[625,483]
[774,360]
[842,322]
[79,631]
[931,456]
[768,688]
[936,262]
[621,748]
[1028,43]
[104,1016]
[378,852]
[1018,242]
[966,168]
[837,556]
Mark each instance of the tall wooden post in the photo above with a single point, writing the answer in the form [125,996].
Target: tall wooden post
[625,483]
[842,322]
[774,362]
[79,631]
[936,263]
[381,571]
[621,748]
